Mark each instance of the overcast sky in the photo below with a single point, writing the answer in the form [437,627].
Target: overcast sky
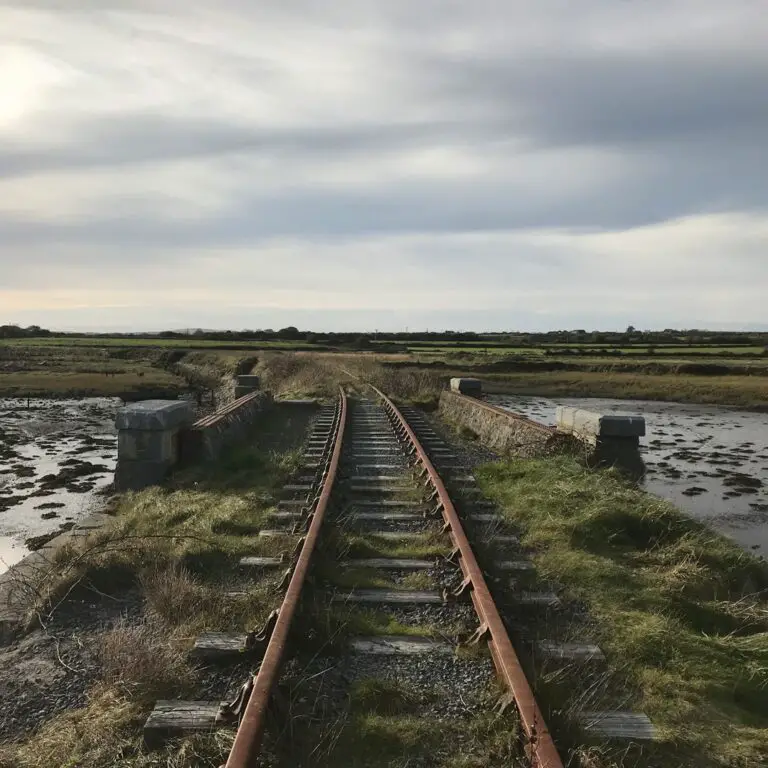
[359,164]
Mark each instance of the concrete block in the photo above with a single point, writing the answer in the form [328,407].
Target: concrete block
[588,425]
[471,387]
[147,445]
[254,382]
[156,415]
[135,475]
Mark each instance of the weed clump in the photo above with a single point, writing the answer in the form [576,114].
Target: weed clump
[382,697]
[138,660]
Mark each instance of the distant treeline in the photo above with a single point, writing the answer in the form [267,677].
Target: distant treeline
[32,332]
[631,336]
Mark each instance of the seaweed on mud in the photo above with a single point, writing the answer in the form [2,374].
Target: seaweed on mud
[69,474]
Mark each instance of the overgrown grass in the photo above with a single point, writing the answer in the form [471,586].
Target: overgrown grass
[140,662]
[290,375]
[425,547]
[680,611]
[180,546]
[356,621]
[384,725]
[371,578]
[320,375]
[740,391]
[382,733]
[183,543]
[382,697]
[103,734]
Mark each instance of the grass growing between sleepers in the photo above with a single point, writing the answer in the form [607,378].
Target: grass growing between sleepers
[179,547]
[381,723]
[680,611]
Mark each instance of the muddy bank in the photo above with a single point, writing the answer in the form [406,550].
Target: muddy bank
[56,458]
[710,461]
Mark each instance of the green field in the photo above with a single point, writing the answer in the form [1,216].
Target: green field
[680,351]
[151,342]
[735,375]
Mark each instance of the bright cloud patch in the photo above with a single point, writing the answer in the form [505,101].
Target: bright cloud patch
[173,164]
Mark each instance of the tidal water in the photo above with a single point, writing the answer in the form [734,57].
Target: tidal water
[710,461]
[56,457]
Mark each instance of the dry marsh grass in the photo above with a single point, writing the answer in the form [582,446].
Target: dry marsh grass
[179,546]
[290,375]
[103,734]
[740,391]
[143,661]
[139,662]
[315,375]
[180,600]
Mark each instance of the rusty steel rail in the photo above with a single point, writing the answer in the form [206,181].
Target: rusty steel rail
[217,416]
[540,746]
[249,735]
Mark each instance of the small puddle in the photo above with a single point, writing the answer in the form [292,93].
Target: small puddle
[11,551]
[710,461]
[56,456]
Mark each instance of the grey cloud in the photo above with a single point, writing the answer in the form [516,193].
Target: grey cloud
[687,123]
[611,98]
[108,142]
[699,179]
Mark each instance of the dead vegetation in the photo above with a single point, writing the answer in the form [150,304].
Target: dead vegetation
[297,374]
[178,548]
[143,662]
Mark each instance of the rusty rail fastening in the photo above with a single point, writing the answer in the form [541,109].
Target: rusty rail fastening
[251,730]
[541,748]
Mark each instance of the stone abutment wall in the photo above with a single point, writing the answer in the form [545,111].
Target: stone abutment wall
[155,436]
[501,430]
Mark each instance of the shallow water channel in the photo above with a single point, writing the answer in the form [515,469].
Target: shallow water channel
[710,461]
[55,458]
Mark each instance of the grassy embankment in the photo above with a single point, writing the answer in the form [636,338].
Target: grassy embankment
[735,376]
[750,392]
[680,611]
[308,374]
[33,370]
[305,375]
[179,547]
[320,375]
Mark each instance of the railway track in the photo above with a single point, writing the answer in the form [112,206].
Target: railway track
[367,657]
